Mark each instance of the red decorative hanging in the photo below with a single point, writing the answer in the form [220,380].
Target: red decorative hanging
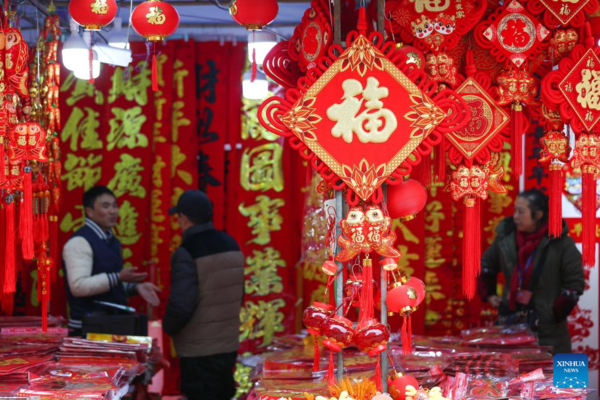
[433,25]
[562,43]
[341,117]
[587,157]
[555,151]
[512,34]
[562,13]
[312,37]
[441,68]
[406,200]
[93,15]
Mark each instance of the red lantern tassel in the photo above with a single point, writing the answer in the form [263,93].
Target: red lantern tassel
[91,80]
[556,188]
[45,315]
[254,66]
[406,335]
[53,222]
[378,379]
[26,217]
[589,215]
[154,73]
[317,355]
[367,301]
[331,381]
[10,267]
[2,163]
[425,171]
[2,245]
[517,138]
[471,246]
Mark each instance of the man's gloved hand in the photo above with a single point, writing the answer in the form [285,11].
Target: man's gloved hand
[149,292]
[563,305]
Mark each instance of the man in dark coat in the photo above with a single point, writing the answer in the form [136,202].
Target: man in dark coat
[203,313]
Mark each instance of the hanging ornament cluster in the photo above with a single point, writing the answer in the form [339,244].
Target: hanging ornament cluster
[29,165]
[155,20]
[570,91]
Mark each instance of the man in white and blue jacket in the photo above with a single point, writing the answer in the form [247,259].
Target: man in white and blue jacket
[93,262]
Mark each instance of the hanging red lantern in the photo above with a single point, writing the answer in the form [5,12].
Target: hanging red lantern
[406,199]
[93,15]
[155,20]
[389,264]
[329,268]
[252,16]
[402,298]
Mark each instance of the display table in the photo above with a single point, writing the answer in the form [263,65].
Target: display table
[493,363]
[52,365]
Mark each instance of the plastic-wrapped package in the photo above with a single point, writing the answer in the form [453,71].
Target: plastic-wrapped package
[486,387]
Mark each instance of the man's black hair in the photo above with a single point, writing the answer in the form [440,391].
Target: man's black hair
[90,196]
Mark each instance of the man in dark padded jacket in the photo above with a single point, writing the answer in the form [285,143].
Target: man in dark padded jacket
[203,313]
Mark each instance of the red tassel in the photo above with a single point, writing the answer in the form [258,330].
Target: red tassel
[556,189]
[10,267]
[441,160]
[589,215]
[471,246]
[378,380]
[53,228]
[2,163]
[26,217]
[154,73]
[331,381]
[317,355]
[425,172]
[406,335]
[517,138]
[367,301]
[2,245]
[45,315]
[91,80]
[254,66]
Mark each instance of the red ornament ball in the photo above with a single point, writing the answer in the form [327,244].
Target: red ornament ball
[329,268]
[315,315]
[155,20]
[372,337]
[397,386]
[253,15]
[406,199]
[337,333]
[389,264]
[93,15]
[401,299]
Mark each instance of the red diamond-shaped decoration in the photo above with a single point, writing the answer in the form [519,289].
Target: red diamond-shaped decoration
[516,33]
[363,117]
[563,10]
[581,88]
[487,120]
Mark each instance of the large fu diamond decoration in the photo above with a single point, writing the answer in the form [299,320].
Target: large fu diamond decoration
[363,117]
[487,120]
[581,88]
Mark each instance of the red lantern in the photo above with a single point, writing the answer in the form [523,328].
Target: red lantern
[418,286]
[397,387]
[252,16]
[329,268]
[337,333]
[372,337]
[315,315]
[155,20]
[401,299]
[93,15]
[389,264]
[406,199]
